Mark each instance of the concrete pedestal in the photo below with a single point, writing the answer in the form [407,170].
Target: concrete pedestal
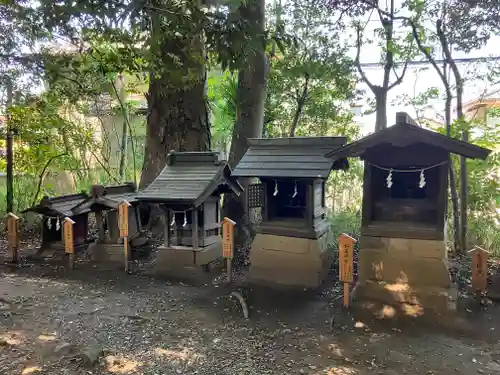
[185,262]
[106,252]
[289,261]
[408,273]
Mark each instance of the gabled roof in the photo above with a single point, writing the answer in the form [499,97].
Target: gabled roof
[108,197]
[404,133]
[297,157]
[59,206]
[189,178]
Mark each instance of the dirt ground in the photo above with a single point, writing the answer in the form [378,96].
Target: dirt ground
[96,321]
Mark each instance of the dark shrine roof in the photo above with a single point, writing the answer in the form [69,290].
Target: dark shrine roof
[405,133]
[189,178]
[297,157]
[108,197]
[58,206]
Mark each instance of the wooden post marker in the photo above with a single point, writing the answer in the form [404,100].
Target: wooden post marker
[13,237]
[69,241]
[479,270]
[123,222]
[228,244]
[346,260]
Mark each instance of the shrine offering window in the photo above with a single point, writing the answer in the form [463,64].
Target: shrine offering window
[405,193]
[286,199]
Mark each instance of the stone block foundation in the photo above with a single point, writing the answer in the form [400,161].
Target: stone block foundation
[409,273]
[288,261]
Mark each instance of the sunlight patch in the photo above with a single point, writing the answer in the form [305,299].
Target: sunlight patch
[342,370]
[12,338]
[47,338]
[30,370]
[121,365]
[185,355]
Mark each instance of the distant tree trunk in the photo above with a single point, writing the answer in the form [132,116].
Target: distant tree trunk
[123,148]
[453,186]
[443,75]
[251,96]
[464,183]
[300,106]
[177,105]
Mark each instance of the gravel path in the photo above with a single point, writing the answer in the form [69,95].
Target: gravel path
[54,322]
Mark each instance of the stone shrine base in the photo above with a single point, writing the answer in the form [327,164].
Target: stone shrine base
[184,262]
[411,274]
[112,252]
[288,261]
[407,300]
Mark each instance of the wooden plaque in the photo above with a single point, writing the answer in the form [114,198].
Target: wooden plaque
[346,258]
[227,237]
[13,236]
[479,268]
[69,242]
[123,218]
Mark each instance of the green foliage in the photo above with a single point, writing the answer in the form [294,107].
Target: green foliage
[222,99]
[309,81]
[484,185]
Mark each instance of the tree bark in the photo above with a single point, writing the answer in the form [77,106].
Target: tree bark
[381,108]
[177,104]
[251,96]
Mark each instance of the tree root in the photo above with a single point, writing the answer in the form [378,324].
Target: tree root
[242,302]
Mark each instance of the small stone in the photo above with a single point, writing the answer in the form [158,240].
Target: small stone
[90,355]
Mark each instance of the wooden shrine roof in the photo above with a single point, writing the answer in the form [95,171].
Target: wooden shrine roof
[297,157]
[59,206]
[405,133]
[109,196]
[189,178]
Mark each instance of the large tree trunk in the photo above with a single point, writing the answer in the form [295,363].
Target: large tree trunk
[177,106]
[251,96]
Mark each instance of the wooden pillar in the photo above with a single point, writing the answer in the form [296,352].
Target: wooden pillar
[310,204]
[166,219]
[194,227]
[100,226]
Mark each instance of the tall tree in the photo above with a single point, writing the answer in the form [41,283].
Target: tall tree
[250,99]
[392,49]
[177,104]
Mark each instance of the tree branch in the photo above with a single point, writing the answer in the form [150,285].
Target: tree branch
[400,78]
[357,62]
[42,174]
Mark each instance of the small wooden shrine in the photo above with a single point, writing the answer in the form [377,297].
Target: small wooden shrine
[402,255]
[53,211]
[188,190]
[103,202]
[290,248]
